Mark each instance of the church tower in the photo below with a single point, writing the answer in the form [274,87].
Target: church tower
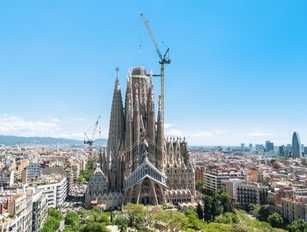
[128,140]
[151,126]
[116,121]
[160,142]
[139,165]
[115,141]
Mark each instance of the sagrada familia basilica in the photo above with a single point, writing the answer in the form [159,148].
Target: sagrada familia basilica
[140,165]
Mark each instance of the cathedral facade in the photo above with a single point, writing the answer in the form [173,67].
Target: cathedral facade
[139,164]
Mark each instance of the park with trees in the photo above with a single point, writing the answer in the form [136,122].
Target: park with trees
[215,214]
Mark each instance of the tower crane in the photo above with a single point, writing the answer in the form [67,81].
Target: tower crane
[164,59]
[91,140]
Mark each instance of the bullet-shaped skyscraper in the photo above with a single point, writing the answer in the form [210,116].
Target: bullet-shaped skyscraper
[296,146]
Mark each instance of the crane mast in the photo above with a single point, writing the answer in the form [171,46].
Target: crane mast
[90,140]
[164,59]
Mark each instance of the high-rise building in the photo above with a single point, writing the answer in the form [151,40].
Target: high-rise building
[259,148]
[282,150]
[289,149]
[269,146]
[296,146]
[250,147]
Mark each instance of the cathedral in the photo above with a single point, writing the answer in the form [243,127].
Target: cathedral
[139,164]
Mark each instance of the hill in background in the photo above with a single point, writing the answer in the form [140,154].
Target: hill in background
[17,140]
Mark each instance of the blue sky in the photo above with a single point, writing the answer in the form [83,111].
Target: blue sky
[238,72]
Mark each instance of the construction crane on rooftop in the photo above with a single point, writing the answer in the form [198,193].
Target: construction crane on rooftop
[164,59]
[90,140]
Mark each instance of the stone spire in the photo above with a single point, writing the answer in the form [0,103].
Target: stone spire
[151,125]
[178,152]
[136,130]
[105,164]
[160,143]
[128,128]
[116,129]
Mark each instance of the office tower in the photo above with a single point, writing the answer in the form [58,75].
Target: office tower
[269,146]
[296,146]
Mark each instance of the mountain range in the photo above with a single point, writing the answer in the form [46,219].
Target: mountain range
[9,140]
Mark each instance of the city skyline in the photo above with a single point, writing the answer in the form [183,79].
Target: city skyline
[231,81]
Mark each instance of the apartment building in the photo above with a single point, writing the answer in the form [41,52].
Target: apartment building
[295,208]
[213,180]
[55,188]
[251,193]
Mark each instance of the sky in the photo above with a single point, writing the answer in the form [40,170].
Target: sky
[238,72]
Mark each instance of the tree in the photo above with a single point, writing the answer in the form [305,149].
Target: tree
[275,220]
[199,186]
[224,201]
[53,221]
[194,223]
[122,222]
[72,219]
[69,229]
[81,180]
[200,211]
[87,172]
[94,227]
[104,218]
[52,224]
[254,209]
[216,204]
[227,218]
[297,226]
[264,212]
[175,221]
[136,214]
[239,228]
[208,208]
[96,216]
[55,213]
